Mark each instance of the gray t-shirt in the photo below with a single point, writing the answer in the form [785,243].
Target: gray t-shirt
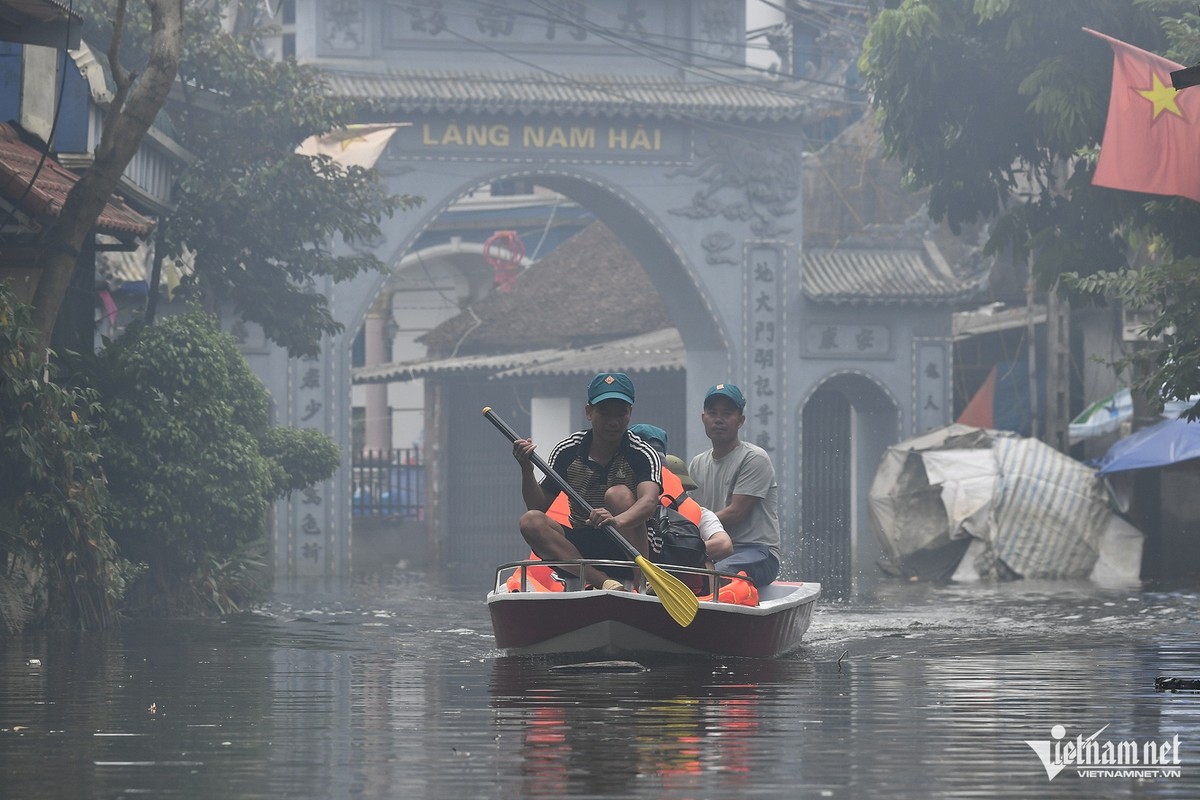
[747,470]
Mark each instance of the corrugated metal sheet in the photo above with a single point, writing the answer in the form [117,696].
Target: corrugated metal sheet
[913,275]
[132,266]
[742,98]
[1051,513]
[658,351]
[994,318]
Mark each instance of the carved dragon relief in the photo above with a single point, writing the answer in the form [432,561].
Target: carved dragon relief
[745,179]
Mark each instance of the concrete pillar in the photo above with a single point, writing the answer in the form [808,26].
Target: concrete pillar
[378,429]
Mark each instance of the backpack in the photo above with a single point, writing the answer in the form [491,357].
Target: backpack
[674,539]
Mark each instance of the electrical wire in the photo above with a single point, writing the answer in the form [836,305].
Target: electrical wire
[546,230]
[680,64]
[554,15]
[699,122]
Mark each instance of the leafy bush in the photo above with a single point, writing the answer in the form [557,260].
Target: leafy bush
[192,463]
[57,563]
[304,456]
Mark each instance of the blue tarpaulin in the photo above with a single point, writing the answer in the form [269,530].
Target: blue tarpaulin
[1164,443]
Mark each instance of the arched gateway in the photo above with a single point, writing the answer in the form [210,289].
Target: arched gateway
[633,110]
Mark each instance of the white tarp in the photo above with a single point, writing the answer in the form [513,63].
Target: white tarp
[975,503]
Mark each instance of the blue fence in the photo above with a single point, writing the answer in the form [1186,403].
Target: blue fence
[389,483]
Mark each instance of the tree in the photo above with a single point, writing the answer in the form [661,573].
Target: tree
[261,220]
[57,561]
[138,98]
[998,107]
[192,465]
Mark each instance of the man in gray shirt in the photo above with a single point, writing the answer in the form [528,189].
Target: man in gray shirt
[737,480]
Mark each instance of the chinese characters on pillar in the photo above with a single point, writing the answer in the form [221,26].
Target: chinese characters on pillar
[309,398]
[764,301]
[931,384]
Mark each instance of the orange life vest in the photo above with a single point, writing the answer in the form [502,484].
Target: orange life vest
[560,509]
[538,578]
[740,591]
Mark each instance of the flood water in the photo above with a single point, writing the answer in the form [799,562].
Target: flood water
[394,690]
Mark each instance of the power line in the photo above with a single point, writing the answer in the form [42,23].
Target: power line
[699,122]
[557,16]
[705,72]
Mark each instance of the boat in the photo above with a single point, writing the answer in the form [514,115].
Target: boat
[530,618]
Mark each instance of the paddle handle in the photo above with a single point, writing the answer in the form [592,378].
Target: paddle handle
[561,482]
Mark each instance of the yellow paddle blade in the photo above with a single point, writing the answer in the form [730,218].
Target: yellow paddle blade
[678,599]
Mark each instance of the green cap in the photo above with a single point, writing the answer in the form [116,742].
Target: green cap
[650,433]
[726,390]
[610,386]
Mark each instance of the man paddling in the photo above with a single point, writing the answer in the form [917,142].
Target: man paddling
[618,474]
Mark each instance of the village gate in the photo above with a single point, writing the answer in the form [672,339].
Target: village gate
[699,174]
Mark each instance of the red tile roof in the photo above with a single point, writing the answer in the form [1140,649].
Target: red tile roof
[589,289]
[44,199]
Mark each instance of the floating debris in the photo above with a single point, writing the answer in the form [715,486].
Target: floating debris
[1164,684]
[623,667]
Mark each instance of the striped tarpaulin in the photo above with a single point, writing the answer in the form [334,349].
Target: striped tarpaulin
[1050,511]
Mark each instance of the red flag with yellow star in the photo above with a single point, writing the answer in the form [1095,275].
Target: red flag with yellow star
[1152,136]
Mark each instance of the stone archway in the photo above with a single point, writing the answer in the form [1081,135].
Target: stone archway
[846,423]
[707,226]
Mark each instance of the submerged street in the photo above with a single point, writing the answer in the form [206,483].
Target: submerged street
[395,689]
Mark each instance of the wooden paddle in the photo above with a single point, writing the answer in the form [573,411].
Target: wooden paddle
[678,599]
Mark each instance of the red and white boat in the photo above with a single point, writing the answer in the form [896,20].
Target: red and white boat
[528,619]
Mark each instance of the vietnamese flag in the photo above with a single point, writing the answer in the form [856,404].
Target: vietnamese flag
[1152,136]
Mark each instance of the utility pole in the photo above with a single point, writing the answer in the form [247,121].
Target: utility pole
[1031,348]
[1058,370]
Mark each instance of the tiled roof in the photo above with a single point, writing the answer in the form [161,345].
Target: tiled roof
[658,351]
[882,275]
[50,23]
[742,97]
[41,9]
[589,289]
[44,199]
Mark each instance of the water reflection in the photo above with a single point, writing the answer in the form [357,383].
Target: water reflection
[681,723]
[396,690]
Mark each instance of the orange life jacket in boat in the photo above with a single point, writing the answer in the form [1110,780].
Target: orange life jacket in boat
[538,578]
[740,591]
[560,509]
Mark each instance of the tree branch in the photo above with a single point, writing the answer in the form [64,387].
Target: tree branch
[124,127]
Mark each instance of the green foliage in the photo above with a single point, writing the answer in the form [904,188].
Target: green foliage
[999,106]
[304,455]
[264,222]
[184,469]
[191,462]
[986,100]
[57,562]
[1170,369]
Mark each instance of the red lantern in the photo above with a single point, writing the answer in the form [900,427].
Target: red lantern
[505,252]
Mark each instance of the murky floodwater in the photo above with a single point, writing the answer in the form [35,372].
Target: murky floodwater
[396,691]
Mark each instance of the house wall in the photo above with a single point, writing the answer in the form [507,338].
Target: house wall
[888,368]
[366,36]
[481,503]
